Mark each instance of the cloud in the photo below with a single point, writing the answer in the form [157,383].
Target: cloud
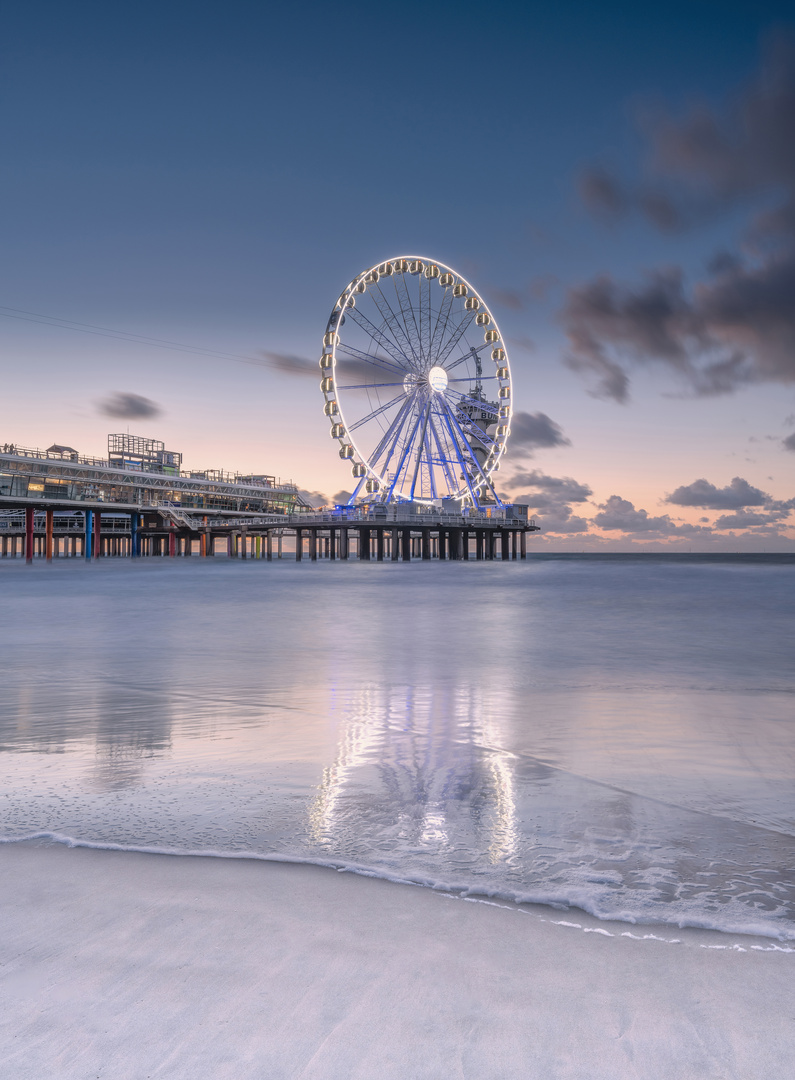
[737,326]
[789,442]
[507,298]
[730,331]
[532,431]
[602,193]
[620,515]
[558,519]
[288,364]
[314,498]
[745,519]
[126,406]
[735,496]
[552,490]
[341,498]
[551,500]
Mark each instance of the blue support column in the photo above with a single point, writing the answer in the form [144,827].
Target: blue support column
[134,536]
[89,534]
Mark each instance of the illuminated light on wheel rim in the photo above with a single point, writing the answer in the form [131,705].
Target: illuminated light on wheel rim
[408,391]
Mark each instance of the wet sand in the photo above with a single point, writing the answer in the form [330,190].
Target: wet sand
[128,965]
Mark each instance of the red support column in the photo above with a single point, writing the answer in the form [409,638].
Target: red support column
[49,518]
[172,543]
[29,534]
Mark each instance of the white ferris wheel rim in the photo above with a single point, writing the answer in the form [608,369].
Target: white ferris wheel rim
[358,457]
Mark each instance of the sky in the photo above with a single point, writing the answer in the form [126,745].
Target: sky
[617,180]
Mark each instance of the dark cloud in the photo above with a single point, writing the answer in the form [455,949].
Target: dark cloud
[738,326]
[551,500]
[341,498]
[735,496]
[733,330]
[559,519]
[789,442]
[524,343]
[602,193]
[620,515]
[551,489]
[287,364]
[126,406]
[745,519]
[705,162]
[507,298]
[314,498]
[533,431]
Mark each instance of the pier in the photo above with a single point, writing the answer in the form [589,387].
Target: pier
[137,503]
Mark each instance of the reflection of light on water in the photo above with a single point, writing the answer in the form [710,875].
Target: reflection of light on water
[417,766]
[504,834]
[356,745]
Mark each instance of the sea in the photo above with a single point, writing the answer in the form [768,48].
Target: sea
[611,733]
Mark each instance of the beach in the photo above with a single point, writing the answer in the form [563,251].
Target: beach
[128,965]
[477,820]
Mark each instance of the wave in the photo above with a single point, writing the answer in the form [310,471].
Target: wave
[735,919]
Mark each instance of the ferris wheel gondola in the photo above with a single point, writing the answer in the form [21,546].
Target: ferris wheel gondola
[417,384]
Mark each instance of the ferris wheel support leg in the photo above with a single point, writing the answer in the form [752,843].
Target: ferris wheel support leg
[406,545]
[364,545]
[523,544]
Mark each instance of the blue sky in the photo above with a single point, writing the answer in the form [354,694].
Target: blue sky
[214,174]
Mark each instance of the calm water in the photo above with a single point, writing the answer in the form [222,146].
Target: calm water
[616,733]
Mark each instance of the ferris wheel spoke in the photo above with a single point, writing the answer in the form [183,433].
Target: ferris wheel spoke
[377,361]
[468,356]
[368,386]
[455,337]
[420,446]
[392,434]
[441,321]
[375,412]
[392,320]
[405,452]
[425,316]
[381,338]
[465,467]
[407,312]
[444,457]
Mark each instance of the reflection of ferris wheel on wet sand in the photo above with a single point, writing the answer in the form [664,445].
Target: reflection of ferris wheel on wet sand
[412,358]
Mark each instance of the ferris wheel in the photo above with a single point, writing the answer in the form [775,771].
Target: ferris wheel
[417,384]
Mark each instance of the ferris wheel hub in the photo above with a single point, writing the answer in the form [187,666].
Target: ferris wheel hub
[437,379]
